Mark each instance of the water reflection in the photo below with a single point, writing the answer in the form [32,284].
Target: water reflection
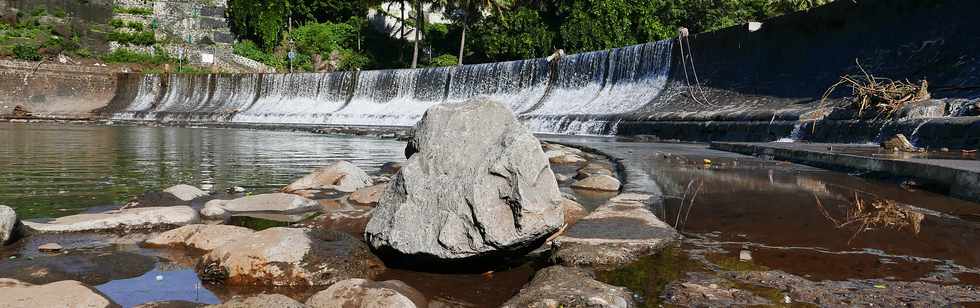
[56,169]
[160,284]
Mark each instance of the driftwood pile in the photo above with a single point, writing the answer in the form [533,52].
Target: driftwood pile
[879,94]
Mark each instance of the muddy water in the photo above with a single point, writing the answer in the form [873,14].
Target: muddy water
[49,170]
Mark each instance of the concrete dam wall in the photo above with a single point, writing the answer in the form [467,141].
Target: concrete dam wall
[732,84]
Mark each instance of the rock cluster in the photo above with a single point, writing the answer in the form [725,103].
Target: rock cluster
[127,219]
[476,184]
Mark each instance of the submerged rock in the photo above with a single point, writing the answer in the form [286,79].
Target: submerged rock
[560,286]
[476,184]
[275,203]
[368,195]
[342,176]
[146,218]
[366,293]
[598,182]
[261,301]
[290,257]
[202,237]
[65,293]
[185,192]
[8,220]
[173,196]
[617,233]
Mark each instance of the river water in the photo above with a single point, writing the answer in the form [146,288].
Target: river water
[50,170]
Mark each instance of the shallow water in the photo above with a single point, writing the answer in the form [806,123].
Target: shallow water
[50,170]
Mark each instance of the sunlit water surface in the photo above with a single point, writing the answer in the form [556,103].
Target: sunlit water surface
[57,169]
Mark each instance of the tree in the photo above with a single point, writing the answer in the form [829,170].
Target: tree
[465,11]
[513,35]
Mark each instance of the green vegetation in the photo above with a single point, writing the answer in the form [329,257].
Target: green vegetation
[144,38]
[127,56]
[649,276]
[36,35]
[444,60]
[497,30]
[132,10]
[132,25]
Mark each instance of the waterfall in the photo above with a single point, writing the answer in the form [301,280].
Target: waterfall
[579,94]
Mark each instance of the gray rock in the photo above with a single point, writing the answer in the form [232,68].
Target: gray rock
[390,168]
[290,257]
[275,203]
[341,176]
[476,184]
[261,301]
[8,220]
[559,286]
[66,293]
[185,192]
[202,237]
[366,293]
[617,233]
[145,218]
[598,182]
[562,179]
[594,169]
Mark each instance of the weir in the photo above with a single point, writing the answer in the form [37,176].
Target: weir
[762,85]
[575,94]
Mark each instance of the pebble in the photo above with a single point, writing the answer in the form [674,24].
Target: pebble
[50,247]
[745,255]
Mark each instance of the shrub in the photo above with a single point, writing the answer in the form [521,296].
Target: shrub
[26,52]
[129,56]
[144,38]
[132,10]
[444,60]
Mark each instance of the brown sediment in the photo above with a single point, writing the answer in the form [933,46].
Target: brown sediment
[475,290]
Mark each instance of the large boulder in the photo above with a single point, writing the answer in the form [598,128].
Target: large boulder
[275,203]
[290,257]
[476,184]
[341,176]
[8,220]
[65,293]
[615,234]
[201,237]
[559,286]
[146,218]
[366,293]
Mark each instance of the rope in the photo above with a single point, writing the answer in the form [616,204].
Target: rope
[682,40]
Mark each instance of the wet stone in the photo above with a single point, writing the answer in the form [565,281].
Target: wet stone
[598,182]
[147,218]
[66,293]
[617,233]
[261,301]
[50,247]
[368,195]
[560,286]
[340,176]
[290,257]
[366,293]
[202,237]
[275,203]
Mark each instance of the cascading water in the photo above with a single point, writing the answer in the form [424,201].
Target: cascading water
[579,94]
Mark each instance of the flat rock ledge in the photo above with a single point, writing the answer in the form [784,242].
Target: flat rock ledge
[615,234]
[146,218]
[559,286]
[275,203]
[66,293]
[201,237]
[290,257]
[341,176]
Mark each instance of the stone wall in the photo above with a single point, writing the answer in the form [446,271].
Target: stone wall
[54,90]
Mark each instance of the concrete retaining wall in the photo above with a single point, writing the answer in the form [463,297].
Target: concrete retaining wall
[54,90]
